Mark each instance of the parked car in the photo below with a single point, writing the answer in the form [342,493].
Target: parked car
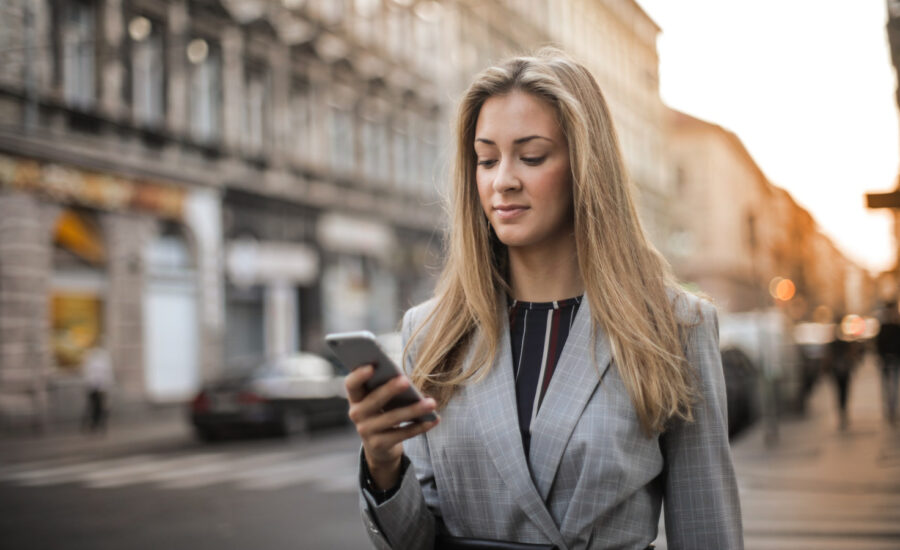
[742,389]
[767,339]
[283,396]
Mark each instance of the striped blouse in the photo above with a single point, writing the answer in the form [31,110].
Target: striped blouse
[538,332]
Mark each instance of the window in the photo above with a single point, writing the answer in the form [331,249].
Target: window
[205,90]
[398,29]
[373,149]
[367,19]
[78,31]
[302,120]
[681,180]
[400,153]
[256,105]
[147,70]
[342,150]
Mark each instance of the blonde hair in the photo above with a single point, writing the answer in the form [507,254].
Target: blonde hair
[626,280]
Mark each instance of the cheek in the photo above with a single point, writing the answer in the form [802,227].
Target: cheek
[555,186]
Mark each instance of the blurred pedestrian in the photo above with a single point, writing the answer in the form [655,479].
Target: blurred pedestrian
[98,381]
[580,388]
[888,345]
[841,358]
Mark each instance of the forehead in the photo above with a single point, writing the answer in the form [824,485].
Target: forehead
[514,115]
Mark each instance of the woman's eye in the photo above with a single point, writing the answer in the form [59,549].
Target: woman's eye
[486,163]
[533,161]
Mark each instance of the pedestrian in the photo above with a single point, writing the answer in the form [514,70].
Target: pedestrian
[888,345]
[578,387]
[98,380]
[841,358]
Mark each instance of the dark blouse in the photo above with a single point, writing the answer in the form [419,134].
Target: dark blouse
[538,332]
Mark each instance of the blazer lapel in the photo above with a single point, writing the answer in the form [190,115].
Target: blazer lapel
[576,377]
[494,404]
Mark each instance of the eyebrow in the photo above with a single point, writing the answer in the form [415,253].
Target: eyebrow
[516,141]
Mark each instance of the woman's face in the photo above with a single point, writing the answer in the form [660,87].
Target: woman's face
[523,175]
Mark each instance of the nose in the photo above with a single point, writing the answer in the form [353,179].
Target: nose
[506,178]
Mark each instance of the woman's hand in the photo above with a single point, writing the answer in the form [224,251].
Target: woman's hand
[381,437]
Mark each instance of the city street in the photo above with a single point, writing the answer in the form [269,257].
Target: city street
[818,488]
[173,493]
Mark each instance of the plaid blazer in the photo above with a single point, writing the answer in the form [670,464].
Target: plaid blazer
[595,482]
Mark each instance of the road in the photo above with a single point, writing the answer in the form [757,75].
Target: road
[253,494]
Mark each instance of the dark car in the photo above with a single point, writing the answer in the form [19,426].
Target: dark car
[284,396]
[742,390]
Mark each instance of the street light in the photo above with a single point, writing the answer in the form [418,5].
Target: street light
[782,289]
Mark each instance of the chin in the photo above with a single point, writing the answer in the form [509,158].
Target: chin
[512,240]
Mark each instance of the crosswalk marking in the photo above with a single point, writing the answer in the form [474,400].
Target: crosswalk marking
[264,471]
[214,472]
[301,471]
[136,473]
[63,474]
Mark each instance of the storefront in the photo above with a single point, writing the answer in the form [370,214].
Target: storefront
[272,268]
[359,281]
[94,259]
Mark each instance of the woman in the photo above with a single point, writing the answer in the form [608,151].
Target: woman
[578,387]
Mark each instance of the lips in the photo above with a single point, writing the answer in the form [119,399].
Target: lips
[509,211]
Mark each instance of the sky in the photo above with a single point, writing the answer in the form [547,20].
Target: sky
[808,86]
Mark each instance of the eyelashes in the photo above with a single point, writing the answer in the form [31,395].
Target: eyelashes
[530,161]
[533,161]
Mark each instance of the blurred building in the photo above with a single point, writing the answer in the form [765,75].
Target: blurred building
[751,232]
[199,184]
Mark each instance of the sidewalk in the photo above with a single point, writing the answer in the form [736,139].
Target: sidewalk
[819,487]
[152,429]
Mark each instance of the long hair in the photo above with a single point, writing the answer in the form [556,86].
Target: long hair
[627,282]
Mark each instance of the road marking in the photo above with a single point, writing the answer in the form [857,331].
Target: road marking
[69,473]
[133,474]
[332,472]
[224,471]
[314,469]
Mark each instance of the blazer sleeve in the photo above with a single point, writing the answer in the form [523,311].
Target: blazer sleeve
[409,518]
[702,506]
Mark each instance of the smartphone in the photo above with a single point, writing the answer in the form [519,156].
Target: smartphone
[355,349]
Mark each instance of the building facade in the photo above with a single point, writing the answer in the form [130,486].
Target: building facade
[196,185]
[751,232]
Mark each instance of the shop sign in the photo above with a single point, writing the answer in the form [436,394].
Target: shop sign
[108,192]
[341,233]
[250,262]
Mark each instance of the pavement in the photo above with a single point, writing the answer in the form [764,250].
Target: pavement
[155,429]
[819,486]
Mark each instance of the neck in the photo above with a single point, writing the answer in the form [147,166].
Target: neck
[544,275]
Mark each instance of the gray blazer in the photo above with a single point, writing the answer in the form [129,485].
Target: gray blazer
[596,482]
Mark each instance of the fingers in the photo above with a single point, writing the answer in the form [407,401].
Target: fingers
[382,442]
[355,382]
[373,403]
[388,420]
